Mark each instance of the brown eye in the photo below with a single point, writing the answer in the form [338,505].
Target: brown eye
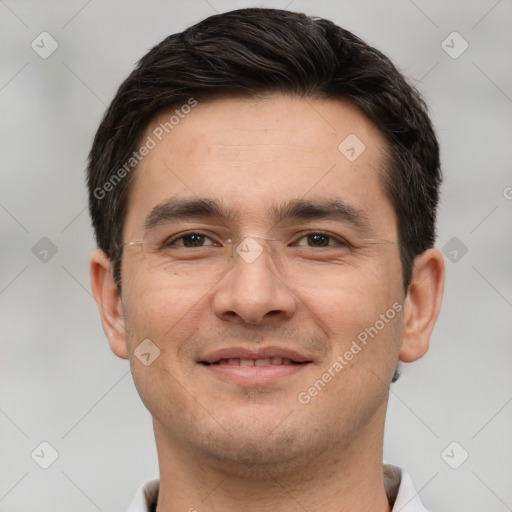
[193,240]
[190,240]
[318,240]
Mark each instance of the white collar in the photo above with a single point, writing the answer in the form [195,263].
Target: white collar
[398,485]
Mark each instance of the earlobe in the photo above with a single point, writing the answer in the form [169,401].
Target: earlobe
[109,303]
[422,304]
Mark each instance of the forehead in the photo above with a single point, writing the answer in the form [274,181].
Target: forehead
[248,152]
[277,128]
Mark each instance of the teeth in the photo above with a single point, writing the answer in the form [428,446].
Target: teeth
[266,361]
[262,362]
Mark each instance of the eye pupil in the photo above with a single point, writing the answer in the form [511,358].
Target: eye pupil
[318,240]
[193,240]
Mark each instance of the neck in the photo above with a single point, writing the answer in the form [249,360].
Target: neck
[342,479]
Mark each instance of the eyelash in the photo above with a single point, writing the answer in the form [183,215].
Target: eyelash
[340,241]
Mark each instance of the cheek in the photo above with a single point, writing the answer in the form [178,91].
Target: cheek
[169,318]
[157,304]
[361,315]
[355,297]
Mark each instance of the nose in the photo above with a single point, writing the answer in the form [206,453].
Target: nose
[253,290]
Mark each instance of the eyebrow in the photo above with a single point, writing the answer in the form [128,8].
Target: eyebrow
[185,209]
[331,209]
[175,208]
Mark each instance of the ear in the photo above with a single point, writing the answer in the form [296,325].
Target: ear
[109,302]
[422,304]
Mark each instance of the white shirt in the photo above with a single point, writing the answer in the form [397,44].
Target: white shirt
[398,485]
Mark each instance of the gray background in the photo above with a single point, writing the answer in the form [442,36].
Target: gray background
[60,383]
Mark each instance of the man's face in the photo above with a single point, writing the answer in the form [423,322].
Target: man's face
[244,334]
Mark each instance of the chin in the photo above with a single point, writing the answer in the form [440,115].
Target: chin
[255,462]
[258,453]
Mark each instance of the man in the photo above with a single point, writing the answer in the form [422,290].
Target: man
[263,190]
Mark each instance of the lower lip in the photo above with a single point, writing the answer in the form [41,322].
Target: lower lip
[254,375]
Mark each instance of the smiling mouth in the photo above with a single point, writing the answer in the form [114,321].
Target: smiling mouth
[267,361]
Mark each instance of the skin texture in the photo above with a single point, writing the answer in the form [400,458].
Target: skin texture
[226,445]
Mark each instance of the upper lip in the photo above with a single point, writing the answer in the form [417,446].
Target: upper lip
[253,353]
